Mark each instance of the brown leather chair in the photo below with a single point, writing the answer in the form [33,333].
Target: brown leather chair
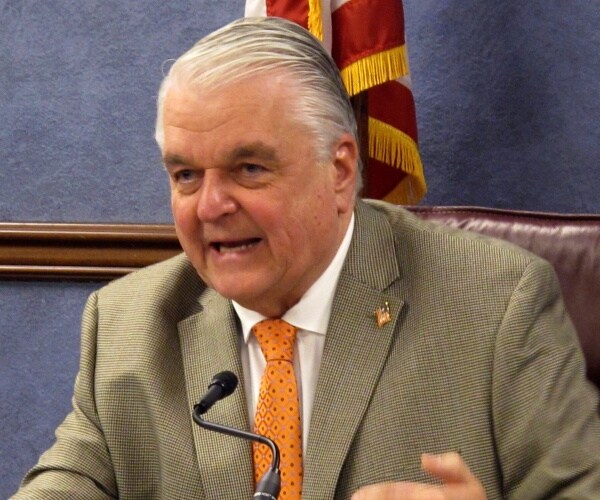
[570,242]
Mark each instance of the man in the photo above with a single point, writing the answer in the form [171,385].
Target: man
[428,362]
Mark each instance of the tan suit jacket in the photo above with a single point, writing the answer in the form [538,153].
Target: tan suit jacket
[480,357]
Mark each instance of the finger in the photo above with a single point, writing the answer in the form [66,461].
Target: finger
[403,490]
[449,467]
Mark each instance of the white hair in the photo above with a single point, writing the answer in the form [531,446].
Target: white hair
[257,45]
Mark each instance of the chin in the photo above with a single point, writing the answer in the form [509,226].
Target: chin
[234,292]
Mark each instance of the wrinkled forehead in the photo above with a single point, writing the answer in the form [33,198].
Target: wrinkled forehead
[241,101]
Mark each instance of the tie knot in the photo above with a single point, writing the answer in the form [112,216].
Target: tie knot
[276,339]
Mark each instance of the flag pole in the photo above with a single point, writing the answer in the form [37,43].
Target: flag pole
[360,104]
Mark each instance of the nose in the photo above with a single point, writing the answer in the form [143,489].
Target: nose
[214,197]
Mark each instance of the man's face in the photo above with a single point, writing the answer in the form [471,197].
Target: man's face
[259,219]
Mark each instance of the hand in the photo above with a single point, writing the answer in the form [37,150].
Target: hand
[459,483]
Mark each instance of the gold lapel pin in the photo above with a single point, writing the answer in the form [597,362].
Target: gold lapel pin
[382,315]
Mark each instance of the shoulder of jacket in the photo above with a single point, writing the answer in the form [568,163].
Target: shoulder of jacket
[407,225]
[168,278]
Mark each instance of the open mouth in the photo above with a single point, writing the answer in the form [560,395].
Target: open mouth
[234,246]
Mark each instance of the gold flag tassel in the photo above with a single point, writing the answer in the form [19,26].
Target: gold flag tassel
[393,147]
[375,69]
[315,21]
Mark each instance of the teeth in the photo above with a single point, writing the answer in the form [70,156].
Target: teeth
[235,248]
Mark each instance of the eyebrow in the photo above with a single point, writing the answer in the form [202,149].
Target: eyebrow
[257,149]
[174,159]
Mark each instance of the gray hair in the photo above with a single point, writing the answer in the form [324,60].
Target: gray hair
[255,45]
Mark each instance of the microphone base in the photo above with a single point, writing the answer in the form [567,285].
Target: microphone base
[269,486]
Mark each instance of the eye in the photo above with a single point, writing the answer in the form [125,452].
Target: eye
[252,168]
[185,180]
[184,176]
[251,175]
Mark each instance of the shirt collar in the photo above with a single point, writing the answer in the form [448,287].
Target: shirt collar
[312,312]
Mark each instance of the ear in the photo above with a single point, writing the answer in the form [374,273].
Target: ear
[345,162]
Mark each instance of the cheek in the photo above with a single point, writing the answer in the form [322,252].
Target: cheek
[284,226]
[187,229]
[322,211]
[306,226]
[183,212]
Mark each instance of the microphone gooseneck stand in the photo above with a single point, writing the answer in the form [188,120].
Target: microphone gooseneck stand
[269,485]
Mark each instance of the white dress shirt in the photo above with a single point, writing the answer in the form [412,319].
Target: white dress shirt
[311,317]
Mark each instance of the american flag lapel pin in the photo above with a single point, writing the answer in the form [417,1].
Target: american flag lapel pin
[382,315]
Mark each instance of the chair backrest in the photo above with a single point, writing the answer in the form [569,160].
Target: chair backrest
[571,243]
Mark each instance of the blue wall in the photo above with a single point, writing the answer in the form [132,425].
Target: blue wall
[507,100]
[39,346]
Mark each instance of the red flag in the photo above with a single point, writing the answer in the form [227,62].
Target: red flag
[366,39]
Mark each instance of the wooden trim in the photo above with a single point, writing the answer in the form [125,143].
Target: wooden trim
[82,251]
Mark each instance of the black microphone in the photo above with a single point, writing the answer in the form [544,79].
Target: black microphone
[222,385]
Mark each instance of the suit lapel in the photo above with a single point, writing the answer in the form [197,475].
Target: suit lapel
[355,352]
[210,344]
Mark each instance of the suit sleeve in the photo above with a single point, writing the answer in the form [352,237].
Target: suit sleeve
[545,411]
[78,465]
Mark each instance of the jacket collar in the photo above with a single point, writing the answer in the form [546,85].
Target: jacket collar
[355,352]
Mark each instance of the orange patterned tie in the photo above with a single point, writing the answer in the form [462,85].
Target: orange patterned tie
[277,412]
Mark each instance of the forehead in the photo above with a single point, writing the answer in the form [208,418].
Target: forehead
[255,115]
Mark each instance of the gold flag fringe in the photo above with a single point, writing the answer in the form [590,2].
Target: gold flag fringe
[386,143]
[375,69]
[393,147]
[408,192]
[315,21]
